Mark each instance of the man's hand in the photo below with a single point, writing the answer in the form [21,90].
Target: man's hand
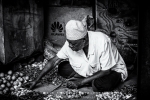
[29,85]
[74,84]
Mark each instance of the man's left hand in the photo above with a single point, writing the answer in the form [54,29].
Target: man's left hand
[74,84]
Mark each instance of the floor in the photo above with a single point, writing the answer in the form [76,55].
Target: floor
[48,88]
[132,80]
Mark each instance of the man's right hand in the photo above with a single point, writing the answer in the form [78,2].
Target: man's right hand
[29,85]
[48,67]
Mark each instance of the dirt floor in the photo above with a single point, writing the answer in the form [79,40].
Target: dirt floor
[131,81]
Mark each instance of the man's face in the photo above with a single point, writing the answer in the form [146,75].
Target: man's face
[76,45]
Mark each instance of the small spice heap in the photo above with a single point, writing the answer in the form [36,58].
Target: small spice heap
[68,94]
[110,96]
[125,93]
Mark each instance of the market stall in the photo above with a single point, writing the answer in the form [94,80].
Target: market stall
[34,31]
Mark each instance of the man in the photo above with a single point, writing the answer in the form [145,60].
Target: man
[92,57]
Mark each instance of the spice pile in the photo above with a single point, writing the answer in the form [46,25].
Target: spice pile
[34,69]
[128,92]
[68,94]
[11,80]
[115,95]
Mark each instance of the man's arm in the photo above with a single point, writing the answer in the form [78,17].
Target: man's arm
[98,74]
[49,66]
[78,84]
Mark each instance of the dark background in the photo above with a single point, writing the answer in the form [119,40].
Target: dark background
[144,51]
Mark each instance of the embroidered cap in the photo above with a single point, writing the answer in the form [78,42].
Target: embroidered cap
[75,30]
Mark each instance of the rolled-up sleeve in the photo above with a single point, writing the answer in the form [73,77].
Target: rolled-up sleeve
[107,59]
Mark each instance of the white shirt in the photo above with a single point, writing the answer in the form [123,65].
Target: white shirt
[102,55]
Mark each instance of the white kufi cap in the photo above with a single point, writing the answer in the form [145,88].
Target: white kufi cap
[75,30]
